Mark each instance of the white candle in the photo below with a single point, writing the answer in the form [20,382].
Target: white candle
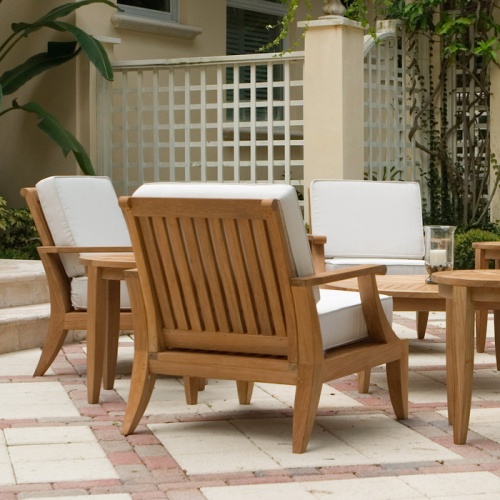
[437,258]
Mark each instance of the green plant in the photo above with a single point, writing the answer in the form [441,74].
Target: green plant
[57,53]
[464,253]
[18,236]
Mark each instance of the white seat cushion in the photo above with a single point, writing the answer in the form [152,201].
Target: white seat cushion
[82,211]
[79,300]
[368,219]
[341,317]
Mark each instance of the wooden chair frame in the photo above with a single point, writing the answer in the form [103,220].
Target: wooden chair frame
[215,295]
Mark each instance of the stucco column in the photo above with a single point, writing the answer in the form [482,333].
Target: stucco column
[333,100]
[495,131]
[495,137]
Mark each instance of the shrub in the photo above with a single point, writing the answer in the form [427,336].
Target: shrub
[18,236]
[464,253]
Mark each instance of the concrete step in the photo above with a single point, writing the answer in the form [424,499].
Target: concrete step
[22,282]
[24,305]
[23,327]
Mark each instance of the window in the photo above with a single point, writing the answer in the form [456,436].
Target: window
[248,25]
[252,24]
[156,9]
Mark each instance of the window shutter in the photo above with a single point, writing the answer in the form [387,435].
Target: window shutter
[247,31]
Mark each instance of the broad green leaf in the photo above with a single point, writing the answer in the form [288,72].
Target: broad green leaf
[92,47]
[1,96]
[65,139]
[57,53]
[56,13]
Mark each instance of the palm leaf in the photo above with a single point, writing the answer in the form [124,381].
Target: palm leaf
[57,53]
[90,46]
[65,139]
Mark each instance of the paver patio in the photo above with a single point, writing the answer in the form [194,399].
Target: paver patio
[53,444]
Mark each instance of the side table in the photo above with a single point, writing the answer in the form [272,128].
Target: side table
[484,252]
[464,291]
[104,271]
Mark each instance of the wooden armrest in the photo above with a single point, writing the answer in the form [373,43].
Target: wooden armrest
[316,239]
[341,274]
[317,244]
[67,249]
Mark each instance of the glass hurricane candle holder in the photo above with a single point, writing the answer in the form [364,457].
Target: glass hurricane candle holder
[439,246]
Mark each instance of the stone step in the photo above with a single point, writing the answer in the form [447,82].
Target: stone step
[23,327]
[22,282]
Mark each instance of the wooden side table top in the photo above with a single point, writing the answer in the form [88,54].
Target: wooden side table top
[120,260]
[483,278]
[487,245]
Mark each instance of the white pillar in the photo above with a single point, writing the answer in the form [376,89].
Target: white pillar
[333,100]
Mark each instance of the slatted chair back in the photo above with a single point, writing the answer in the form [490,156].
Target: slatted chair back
[218,272]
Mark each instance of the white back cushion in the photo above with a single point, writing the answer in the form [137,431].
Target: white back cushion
[368,218]
[82,211]
[294,224]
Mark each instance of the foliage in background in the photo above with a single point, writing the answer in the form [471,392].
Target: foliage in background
[464,253]
[464,37]
[18,236]
[57,53]
[454,115]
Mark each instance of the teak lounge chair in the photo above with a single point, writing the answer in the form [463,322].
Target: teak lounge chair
[75,214]
[225,289]
[371,222]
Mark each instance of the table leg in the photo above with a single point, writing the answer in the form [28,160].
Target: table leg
[422,317]
[481,316]
[481,324]
[112,334]
[496,323]
[96,331]
[463,360]
[450,364]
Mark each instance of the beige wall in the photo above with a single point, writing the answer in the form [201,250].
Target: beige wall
[28,155]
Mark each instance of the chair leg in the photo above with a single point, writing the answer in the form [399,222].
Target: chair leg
[307,396]
[141,388]
[191,388]
[364,381]
[422,318]
[397,380]
[56,335]
[245,390]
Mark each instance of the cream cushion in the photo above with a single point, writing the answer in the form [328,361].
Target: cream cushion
[340,314]
[369,222]
[82,211]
